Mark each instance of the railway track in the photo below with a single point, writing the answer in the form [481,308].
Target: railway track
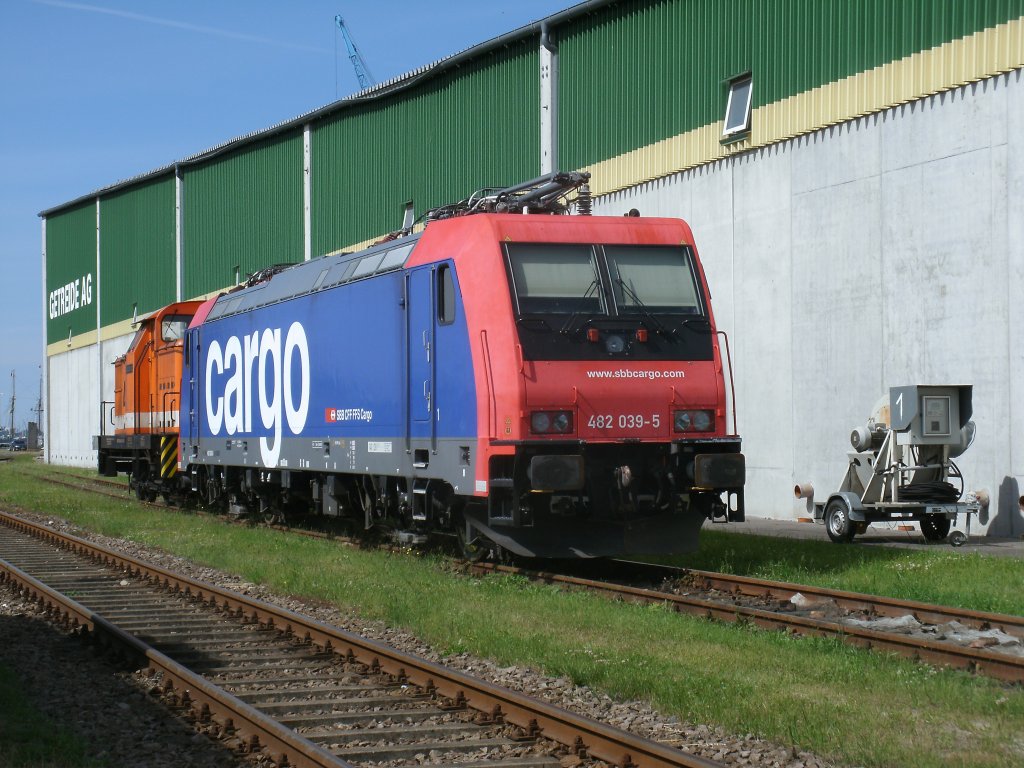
[267,679]
[915,630]
[862,620]
[122,491]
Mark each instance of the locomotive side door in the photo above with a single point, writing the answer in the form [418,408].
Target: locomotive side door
[421,361]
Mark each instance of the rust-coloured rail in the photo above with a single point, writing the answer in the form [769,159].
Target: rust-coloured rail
[993,664]
[926,613]
[208,701]
[122,492]
[586,736]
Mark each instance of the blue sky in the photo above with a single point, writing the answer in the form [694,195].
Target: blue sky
[97,91]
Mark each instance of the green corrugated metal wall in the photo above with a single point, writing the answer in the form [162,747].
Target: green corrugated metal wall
[70,256]
[475,126]
[636,73]
[243,209]
[630,74]
[137,260]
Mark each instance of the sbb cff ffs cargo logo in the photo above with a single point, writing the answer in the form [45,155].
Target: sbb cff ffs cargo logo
[335,415]
[229,385]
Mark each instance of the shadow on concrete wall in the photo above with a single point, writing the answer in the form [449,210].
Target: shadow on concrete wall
[1009,518]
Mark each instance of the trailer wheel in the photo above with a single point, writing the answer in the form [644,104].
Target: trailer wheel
[837,522]
[935,527]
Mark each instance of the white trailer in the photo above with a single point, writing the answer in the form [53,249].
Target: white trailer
[902,469]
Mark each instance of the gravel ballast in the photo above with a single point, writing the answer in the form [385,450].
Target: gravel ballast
[111,710]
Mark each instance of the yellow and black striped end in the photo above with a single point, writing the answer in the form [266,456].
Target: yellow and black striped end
[168,457]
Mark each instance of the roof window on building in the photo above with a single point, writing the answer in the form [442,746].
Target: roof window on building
[737,110]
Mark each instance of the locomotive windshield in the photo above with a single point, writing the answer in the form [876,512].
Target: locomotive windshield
[568,295]
[572,279]
[172,327]
[556,278]
[652,279]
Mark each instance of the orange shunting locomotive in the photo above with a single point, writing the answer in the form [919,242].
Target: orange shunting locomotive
[144,416]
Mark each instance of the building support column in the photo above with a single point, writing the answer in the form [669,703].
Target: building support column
[45,427]
[98,373]
[179,264]
[548,102]
[307,192]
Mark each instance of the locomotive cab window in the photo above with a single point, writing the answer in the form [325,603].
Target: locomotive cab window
[559,279]
[140,331]
[445,295]
[172,327]
[651,278]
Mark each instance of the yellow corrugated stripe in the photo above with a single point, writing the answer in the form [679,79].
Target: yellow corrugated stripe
[367,243]
[114,330]
[984,54]
[86,339]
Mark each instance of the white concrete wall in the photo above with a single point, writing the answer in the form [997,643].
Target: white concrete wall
[78,381]
[110,351]
[74,404]
[881,252]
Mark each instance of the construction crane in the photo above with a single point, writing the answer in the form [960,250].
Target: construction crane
[358,62]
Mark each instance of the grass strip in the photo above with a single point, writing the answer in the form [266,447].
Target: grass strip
[854,706]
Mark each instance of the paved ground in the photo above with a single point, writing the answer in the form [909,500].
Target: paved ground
[880,535]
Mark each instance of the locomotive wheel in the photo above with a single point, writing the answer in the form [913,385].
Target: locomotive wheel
[837,522]
[935,527]
[144,493]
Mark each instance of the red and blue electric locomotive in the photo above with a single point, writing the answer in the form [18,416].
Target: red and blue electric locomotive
[545,385]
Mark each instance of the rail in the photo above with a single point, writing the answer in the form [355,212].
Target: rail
[583,735]
[207,700]
[1002,666]
[731,587]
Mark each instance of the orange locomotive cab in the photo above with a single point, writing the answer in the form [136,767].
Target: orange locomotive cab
[143,418]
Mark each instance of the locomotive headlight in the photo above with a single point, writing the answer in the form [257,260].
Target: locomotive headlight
[540,422]
[694,421]
[614,344]
[703,421]
[551,422]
